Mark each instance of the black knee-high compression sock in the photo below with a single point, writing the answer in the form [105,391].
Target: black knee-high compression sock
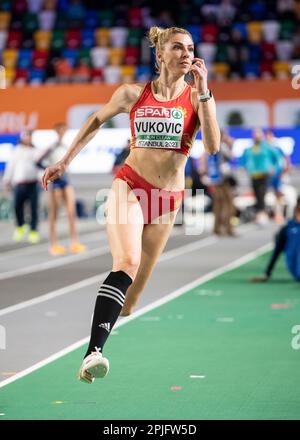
[108,306]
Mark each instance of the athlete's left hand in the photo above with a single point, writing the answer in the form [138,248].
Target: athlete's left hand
[199,72]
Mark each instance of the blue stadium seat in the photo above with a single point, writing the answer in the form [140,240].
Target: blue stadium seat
[194,30]
[71,55]
[91,20]
[143,73]
[255,52]
[257,10]
[36,75]
[76,11]
[63,5]
[251,70]
[24,60]
[87,38]
[241,27]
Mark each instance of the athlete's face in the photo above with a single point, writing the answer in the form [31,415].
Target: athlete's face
[177,54]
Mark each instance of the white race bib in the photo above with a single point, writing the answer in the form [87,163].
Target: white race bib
[158,127]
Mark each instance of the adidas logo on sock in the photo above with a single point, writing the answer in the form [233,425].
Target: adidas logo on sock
[106,326]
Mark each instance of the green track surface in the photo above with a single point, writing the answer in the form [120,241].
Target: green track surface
[251,370]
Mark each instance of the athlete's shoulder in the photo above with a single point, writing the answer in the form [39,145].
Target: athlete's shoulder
[125,96]
[131,91]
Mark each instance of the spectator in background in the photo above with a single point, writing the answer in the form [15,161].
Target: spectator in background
[21,175]
[60,190]
[121,157]
[81,72]
[287,241]
[63,70]
[216,173]
[226,11]
[260,162]
[194,173]
[237,53]
[282,166]
[226,155]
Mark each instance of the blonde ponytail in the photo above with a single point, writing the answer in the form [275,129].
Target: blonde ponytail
[153,36]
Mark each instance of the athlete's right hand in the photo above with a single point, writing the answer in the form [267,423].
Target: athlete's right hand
[53,172]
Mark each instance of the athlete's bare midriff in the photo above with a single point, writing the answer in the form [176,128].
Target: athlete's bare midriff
[162,168]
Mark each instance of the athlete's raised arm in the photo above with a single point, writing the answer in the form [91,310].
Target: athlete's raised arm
[120,102]
[206,107]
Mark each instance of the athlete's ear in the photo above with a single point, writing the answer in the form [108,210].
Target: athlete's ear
[159,56]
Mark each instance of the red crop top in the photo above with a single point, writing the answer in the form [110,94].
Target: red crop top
[169,125]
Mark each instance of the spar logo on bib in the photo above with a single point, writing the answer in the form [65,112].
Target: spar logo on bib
[158,127]
[177,113]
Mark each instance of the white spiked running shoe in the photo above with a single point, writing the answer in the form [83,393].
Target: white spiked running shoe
[94,366]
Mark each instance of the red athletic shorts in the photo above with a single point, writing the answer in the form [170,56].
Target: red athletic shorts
[154,201]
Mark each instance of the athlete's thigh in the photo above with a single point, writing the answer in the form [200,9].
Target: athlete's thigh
[154,239]
[58,197]
[155,236]
[124,221]
[68,193]
[69,197]
[55,198]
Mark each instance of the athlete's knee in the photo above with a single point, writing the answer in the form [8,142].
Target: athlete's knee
[128,262]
